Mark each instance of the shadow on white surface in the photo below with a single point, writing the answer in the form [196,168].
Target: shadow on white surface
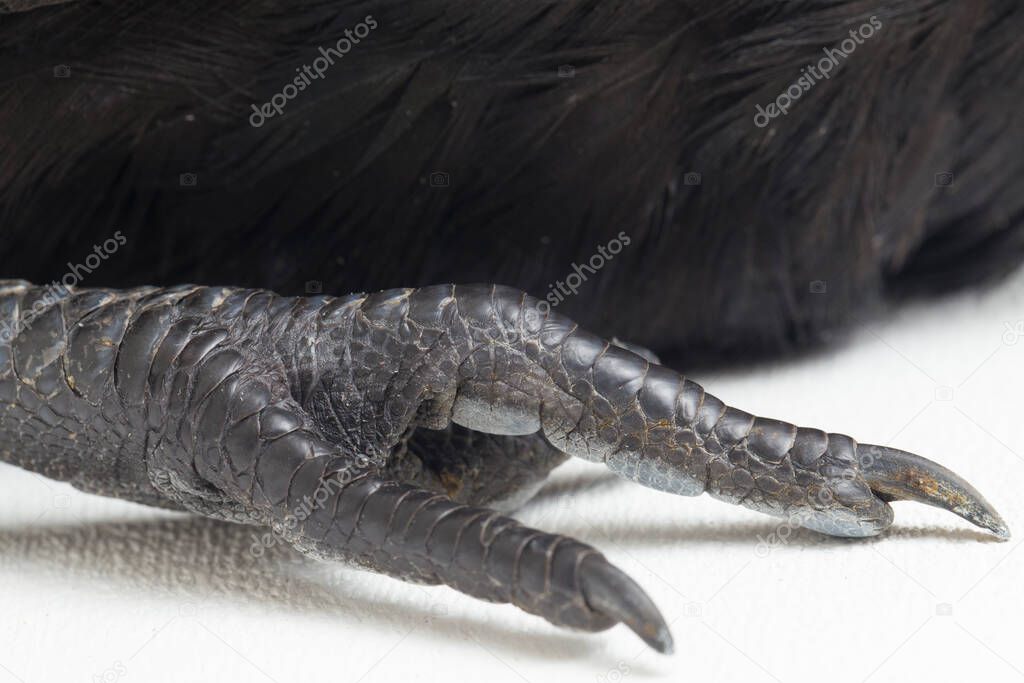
[199,559]
[192,557]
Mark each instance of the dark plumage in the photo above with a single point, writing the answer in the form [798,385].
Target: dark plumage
[545,164]
[679,165]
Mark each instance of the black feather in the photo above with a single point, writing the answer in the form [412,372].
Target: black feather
[793,231]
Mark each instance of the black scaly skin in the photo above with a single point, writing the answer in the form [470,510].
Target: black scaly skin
[241,404]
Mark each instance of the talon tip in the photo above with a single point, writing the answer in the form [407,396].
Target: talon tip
[994,523]
[656,634]
[662,641]
[611,592]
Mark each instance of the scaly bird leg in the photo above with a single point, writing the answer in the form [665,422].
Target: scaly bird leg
[243,405]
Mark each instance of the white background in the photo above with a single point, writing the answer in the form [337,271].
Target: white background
[92,589]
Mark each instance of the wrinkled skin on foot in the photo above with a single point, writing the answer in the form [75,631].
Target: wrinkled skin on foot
[409,416]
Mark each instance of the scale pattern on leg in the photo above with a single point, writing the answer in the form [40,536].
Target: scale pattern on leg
[197,393]
[501,364]
[244,405]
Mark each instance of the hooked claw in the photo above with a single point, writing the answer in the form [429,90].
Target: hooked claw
[610,592]
[897,475]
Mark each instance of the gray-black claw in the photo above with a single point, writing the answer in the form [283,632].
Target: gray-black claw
[897,475]
[611,592]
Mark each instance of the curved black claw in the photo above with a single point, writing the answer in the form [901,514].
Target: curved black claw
[897,475]
[609,591]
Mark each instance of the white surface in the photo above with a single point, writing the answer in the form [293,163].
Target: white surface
[92,589]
